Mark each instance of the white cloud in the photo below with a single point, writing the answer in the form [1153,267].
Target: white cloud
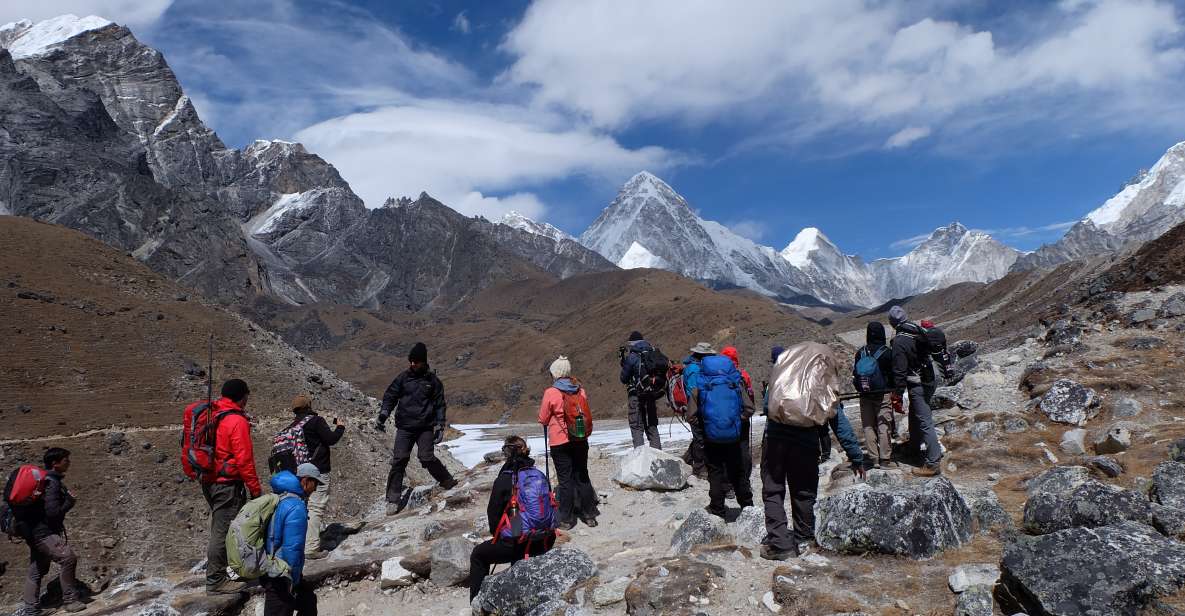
[906,136]
[460,153]
[461,23]
[872,66]
[755,230]
[131,13]
[1026,231]
[909,242]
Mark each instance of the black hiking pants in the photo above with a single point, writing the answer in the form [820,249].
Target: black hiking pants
[281,599]
[726,467]
[422,441]
[575,492]
[224,500]
[498,552]
[793,462]
[694,457]
[643,420]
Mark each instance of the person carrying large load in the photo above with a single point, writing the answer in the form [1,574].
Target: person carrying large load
[802,405]
[688,377]
[719,410]
[644,373]
[913,372]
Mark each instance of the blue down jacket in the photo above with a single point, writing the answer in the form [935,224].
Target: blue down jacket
[285,535]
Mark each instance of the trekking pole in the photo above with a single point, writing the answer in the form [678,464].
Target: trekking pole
[546,456]
[210,371]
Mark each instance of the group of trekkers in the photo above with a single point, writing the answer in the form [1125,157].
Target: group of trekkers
[270,537]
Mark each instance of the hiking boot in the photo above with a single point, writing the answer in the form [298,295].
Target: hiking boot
[318,555]
[566,525]
[720,513]
[227,587]
[590,522]
[887,463]
[74,606]
[448,484]
[398,506]
[772,553]
[927,470]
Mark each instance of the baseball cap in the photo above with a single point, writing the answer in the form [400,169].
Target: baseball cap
[310,470]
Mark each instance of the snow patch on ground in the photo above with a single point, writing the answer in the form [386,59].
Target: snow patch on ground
[27,39]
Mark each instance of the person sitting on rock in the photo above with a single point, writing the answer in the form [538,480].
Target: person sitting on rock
[43,527]
[417,398]
[569,445]
[288,595]
[517,531]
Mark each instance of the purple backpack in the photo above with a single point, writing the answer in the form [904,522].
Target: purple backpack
[530,516]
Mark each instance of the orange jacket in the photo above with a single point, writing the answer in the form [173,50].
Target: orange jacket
[551,415]
[234,453]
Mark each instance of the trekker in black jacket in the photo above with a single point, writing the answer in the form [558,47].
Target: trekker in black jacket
[913,372]
[499,550]
[417,397]
[876,417]
[43,527]
[319,437]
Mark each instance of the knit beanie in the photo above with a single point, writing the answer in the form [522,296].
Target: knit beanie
[560,368]
[235,389]
[419,353]
[897,316]
[635,336]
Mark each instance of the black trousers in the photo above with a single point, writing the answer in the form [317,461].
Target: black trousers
[575,492]
[281,599]
[726,468]
[422,441]
[643,421]
[694,456]
[497,552]
[794,462]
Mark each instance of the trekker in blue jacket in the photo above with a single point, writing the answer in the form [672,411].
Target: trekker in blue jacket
[286,596]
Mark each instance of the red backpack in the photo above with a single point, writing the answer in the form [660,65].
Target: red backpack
[677,390]
[26,485]
[577,416]
[198,433]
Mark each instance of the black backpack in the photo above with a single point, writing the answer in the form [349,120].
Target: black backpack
[933,343]
[653,367]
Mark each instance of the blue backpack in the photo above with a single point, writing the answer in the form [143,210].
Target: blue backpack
[866,375]
[530,515]
[720,390]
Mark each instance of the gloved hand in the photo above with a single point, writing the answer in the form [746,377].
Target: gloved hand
[858,469]
[438,435]
[895,400]
[380,424]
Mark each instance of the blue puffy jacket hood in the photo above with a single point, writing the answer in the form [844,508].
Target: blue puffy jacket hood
[285,481]
[566,385]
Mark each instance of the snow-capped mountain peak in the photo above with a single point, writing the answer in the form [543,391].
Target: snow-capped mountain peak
[807,242]
[1164,184]
[518,221]
[25,38]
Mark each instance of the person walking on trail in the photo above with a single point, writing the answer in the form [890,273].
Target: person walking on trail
[791,451]
[288,595]
[417,398]
[640,365]
[913,372]
[564,413]
[42,524]
[318,438]
[227,489]
[872,370]
[694,456]
[515,533]
[718,412]
[747,422]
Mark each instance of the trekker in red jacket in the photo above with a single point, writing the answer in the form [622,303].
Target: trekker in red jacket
[227,491]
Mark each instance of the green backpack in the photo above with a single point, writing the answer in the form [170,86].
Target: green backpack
[246,541]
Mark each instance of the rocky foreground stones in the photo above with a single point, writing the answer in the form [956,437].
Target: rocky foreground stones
[1108,570]
[1058,505]
[535,582]
[699,528]
[1068,402]
[646,468]
[659,586]
[917,520]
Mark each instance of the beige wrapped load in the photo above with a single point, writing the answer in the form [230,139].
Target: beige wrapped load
[804,386]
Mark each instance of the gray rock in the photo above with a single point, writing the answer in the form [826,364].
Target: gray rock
[432,530]
[646,468]
[964,348]
[533,582]
[117,443]
[884,477]
[699,528]
[1126,407]
[749,527]
[946,398]
[1105,465]
[1141,316]
[1172,307]
[450,561]
[1015,425]
[1168,484]
[1144,343]
[556,607]
[982,430]
[393,575]
[1074,442]
[610,593]
[1177,451]
[663,586]
[917,520]
[158,609]
[1089,505]
[987,514]
[966,576]
[975,601]
[1063,333]
[1058,479]
[1109,570]
[421,496]
[1115,440]
[494,457]
[1068,402]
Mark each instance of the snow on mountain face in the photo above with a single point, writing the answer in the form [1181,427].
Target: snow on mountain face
[650,225]
[24,38]
[518,221]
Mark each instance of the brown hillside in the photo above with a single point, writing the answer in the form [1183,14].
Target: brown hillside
[1156,263]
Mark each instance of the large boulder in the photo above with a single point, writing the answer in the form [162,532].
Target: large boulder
[1168,485]
[1172,307]
[1063,333]
[975,601]
[749,527]
[1092,571]
[699,528]
[534,582]
[450,561]
[917,520]
[1067,402]
[1058,479]
[663,586]
[1090,504]
[394,575]
[987,514]
[646,468]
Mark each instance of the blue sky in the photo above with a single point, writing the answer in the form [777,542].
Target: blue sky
[875,120]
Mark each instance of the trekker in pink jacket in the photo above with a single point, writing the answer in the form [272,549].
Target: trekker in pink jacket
[569,445]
